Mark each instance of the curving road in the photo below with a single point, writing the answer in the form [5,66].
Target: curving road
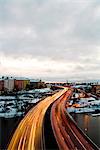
[28,135]
[67,133]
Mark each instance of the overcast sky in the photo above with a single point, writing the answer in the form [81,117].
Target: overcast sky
[50,39]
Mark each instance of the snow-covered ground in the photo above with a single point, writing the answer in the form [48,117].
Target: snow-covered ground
[11,106]
[44,90]
[7,98]
[11,113]
[83,110]
[84,105]
[9,109]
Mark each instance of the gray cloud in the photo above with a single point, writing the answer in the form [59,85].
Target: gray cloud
[61,30]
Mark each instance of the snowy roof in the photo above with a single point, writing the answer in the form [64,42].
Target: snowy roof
[6,77]
[21,78]
[34,80]
[17,78]
[9,78]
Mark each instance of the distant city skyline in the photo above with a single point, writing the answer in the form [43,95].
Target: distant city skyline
[51,40]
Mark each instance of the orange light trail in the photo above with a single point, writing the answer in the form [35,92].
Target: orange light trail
[28,133]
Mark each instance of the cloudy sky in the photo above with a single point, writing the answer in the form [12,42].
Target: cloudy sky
[50,39]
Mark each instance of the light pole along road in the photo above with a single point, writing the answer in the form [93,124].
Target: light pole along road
[29,132]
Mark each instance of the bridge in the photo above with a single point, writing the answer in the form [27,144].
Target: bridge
[29,134]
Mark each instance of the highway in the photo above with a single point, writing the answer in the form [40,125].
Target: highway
[28,135]
[66,131]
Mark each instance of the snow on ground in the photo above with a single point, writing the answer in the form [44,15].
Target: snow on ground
[7,98]
[84,105]
[35,100]
[11,107]
[12,113]
[82,110]
[88,99]
[44,90]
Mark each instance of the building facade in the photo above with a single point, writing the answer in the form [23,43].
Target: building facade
[9,84]
[18,84]
[26,83]
[1,85]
